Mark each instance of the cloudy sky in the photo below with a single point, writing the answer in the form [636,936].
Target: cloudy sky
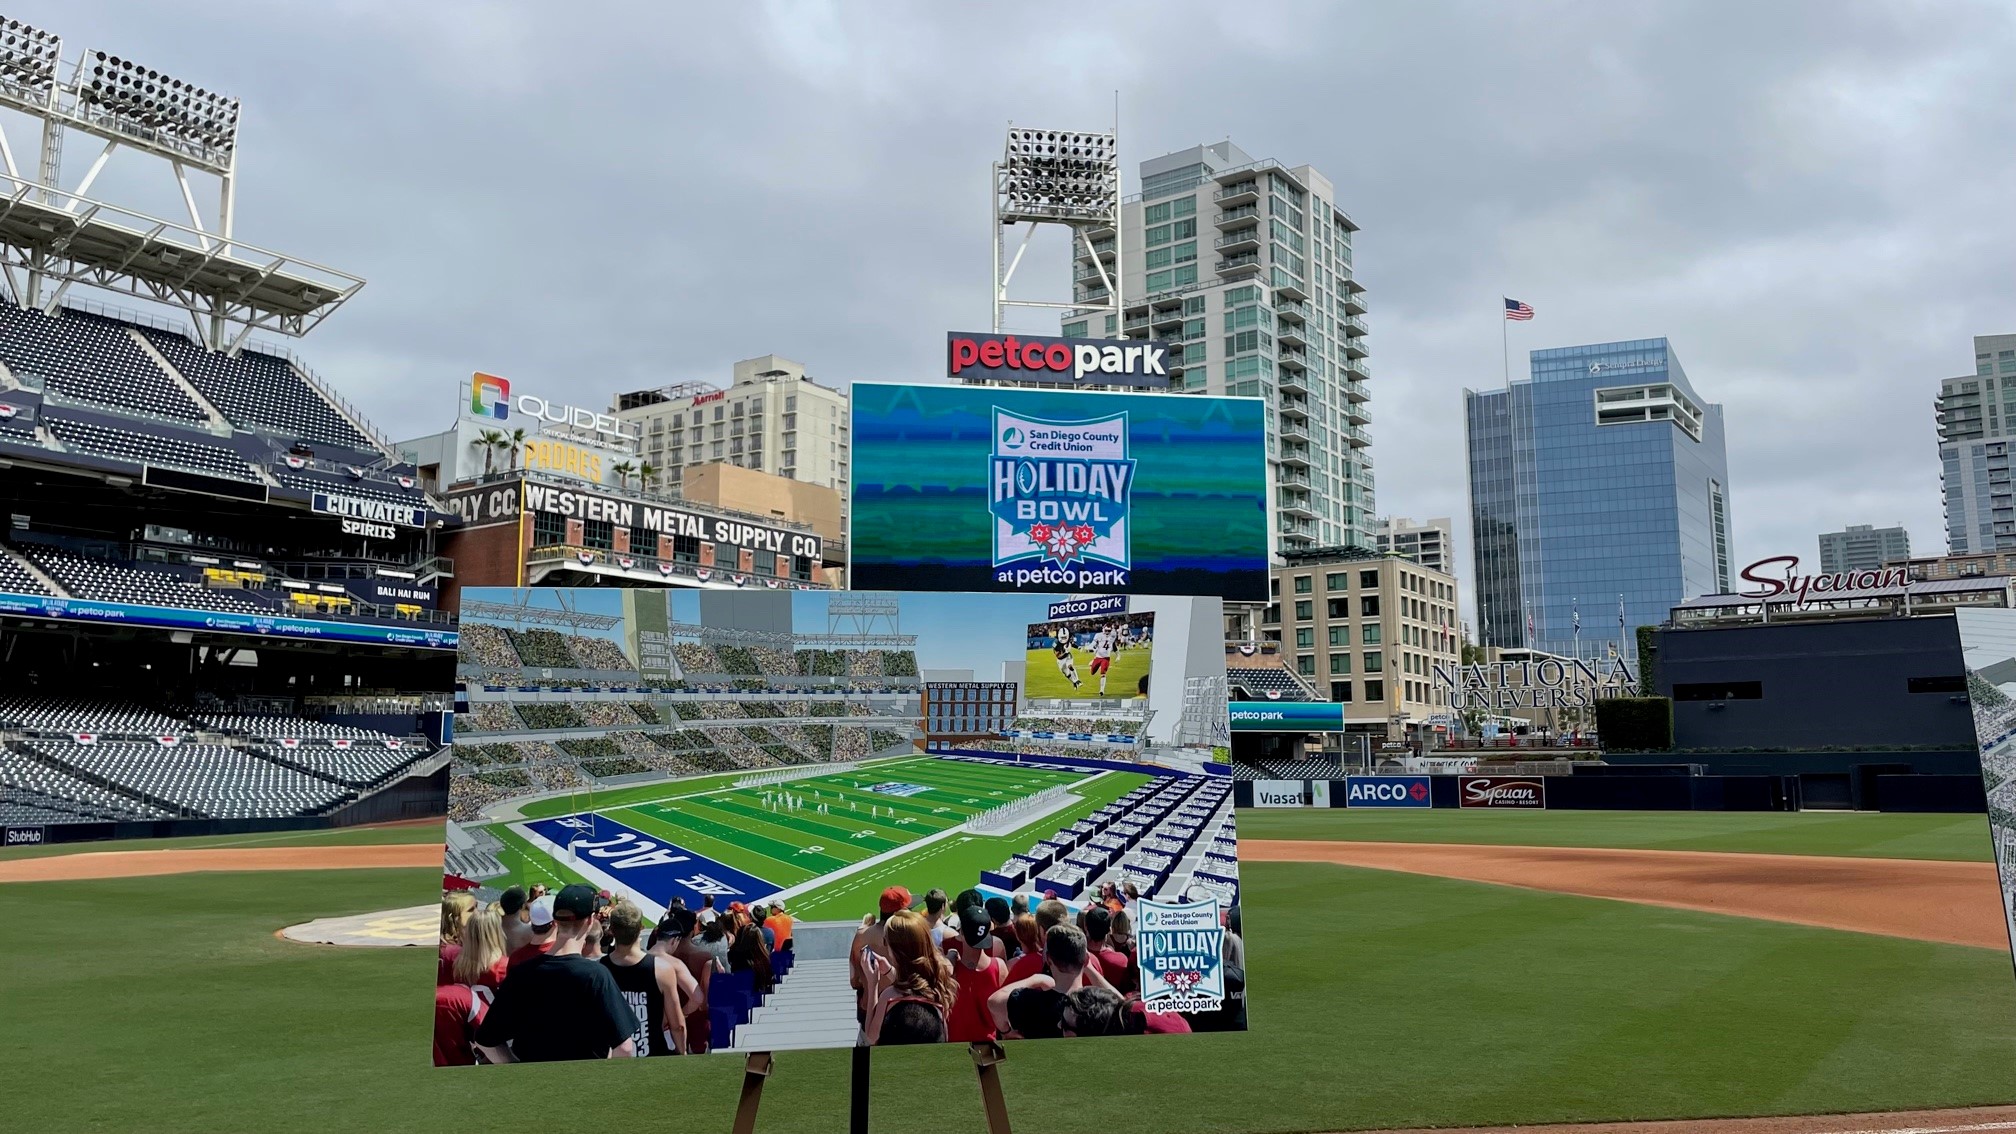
[1813,201]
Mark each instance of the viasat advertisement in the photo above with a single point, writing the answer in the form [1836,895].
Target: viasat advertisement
[985,489]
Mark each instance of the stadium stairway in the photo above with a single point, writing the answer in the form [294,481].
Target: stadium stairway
[813,1006]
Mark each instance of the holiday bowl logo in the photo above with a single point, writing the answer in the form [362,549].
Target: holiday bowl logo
[1180,945]
[1060,492]
[489,396]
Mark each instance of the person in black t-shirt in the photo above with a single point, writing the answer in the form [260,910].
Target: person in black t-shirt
[561,1005]
[650,985]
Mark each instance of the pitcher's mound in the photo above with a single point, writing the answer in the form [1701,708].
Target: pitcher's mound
[415,925]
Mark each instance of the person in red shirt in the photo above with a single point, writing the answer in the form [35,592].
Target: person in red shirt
[1031,961]
[979,973]
[541,941]
[479,959]
[458,1008]
[1112,962]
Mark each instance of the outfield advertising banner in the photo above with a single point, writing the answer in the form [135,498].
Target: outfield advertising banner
[1518,792]
[26,836]
[1387,791]
[1287,716]
[1280,793]
[986,489]
[793,760]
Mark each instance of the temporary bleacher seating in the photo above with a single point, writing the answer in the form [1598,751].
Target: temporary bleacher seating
[92,359]
[259,391]
[120,444]
[96,579]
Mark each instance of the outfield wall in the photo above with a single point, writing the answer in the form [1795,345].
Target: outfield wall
[1664,789]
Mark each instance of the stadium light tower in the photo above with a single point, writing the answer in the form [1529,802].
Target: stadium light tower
[1058,177]
[52,238]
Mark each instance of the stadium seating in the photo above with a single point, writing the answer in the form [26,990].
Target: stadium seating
[1279,768]
[57,789]
[224,783]
[362,489]
[88,578]
[92,359]
[599,653]
[120,444]
[15,577]
[259,391]
[1266,683]
[274,726]
[63,714]
[358,765]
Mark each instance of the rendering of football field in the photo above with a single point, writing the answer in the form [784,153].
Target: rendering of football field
[828,844]
[1381,998]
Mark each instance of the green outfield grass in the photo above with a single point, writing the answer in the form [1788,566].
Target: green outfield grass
[1378,1000]
[1856,834]
[337,837]
[1041,679]
[742,829]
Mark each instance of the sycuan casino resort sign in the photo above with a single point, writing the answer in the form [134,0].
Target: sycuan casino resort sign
[1802,589]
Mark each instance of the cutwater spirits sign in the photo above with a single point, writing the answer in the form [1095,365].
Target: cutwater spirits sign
[1060,499]
[1182,961]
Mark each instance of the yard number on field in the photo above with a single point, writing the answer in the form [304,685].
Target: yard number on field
[815,849]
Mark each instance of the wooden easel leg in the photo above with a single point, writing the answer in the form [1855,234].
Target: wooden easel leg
[754,1074]
[857,1093]
[987,1057]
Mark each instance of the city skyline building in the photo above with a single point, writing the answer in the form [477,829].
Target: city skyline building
[1599,496]
[772,417]
[1431,544]
[1244,265]
[1863,547]
[1977,416]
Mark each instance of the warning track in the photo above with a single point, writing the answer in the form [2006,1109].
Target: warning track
[140,864]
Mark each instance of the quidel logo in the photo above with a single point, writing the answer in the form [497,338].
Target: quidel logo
[1060,493]
[1501,791]
[489,396]
[1075,361]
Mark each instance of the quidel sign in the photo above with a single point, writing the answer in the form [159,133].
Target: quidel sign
[1803,589]
[1069,362]
[1387,791]
[1501,791]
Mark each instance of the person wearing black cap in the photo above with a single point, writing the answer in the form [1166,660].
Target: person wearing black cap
[977,970]
[517,930]
[1001,932]
[559,1005]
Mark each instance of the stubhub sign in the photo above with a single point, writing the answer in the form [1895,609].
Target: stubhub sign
[1387,791]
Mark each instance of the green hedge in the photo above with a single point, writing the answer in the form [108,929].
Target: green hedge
[1635,724]
[1648,660]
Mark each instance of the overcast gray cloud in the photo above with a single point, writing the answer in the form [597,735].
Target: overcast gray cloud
[1813,201]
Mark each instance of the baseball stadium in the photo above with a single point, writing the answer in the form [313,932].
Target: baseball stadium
[237,696]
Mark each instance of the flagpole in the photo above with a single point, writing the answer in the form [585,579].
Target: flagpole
[1504,343]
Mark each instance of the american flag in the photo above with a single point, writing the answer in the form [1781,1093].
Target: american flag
[1517,312]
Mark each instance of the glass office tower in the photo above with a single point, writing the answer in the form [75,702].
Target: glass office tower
[1601,475]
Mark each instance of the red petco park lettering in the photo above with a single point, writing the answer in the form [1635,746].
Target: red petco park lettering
[1108,362]
[1808,588]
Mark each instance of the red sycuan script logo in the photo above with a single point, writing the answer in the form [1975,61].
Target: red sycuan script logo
[1811,588]
[1501,791]
[1112,362]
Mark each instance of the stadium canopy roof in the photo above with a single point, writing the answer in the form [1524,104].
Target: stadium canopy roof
[75,239]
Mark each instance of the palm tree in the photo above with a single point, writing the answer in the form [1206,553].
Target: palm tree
[646,473]
[489,441]
[623,469]
[517,442]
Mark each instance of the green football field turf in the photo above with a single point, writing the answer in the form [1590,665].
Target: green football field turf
[165,1004]
[740,829]
[1852,833]
[1040,677]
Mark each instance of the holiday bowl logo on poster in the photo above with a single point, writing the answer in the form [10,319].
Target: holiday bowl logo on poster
[1181,949]
[1060,492]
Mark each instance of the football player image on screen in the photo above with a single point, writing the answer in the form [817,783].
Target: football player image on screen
[1102,654]
[1065,665]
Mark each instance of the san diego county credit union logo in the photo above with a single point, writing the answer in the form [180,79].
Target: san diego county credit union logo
[1060,496]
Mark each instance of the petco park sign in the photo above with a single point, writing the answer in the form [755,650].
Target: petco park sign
[1066,362]
[490,398]
[1778,580]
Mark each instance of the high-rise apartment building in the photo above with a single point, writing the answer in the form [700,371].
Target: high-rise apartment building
[1977,419]
[1599,494]
[773,418]
[1368,630]
[1246,265]
[1430,544]
[1863,547]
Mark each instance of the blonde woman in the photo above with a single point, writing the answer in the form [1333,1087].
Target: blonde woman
[480,959]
